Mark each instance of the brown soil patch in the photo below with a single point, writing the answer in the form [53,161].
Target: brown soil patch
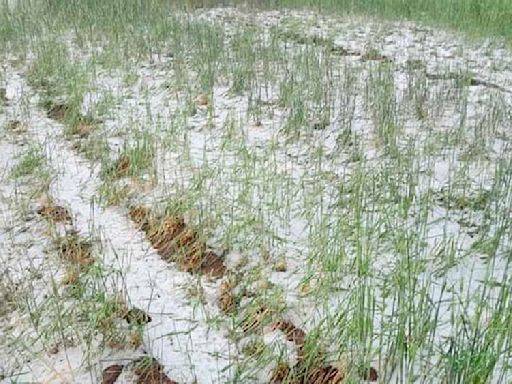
[163,231]
[315,372]
[227,301]
[209,264]
[281,373]
[57,110]
[75,250]
[150,371]
[317,375]
[55,213]
[111,373]
[3,96]
[368,374]
[311,369]
[323,375]
[304,373]
[184,245]
[294,334]
[177,242]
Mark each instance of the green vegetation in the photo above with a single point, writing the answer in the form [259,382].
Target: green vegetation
[476,17]
[363,195]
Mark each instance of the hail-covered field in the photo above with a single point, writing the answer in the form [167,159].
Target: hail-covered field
[233,195]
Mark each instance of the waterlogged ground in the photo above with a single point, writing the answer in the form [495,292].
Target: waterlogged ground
[347,181]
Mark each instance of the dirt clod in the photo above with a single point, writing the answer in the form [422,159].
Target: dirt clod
[136,316]
[280,373]
[212,265]
[111,373]
[163,233]
[150,371]
[55,213]
[57,110]
[311,375]
[292,333]
[368,373]
[324,375]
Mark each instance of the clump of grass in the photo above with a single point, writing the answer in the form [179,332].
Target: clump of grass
[476,18]
[130,170]
[469,363]
[32,168]
[94,147]
[75,250]
[383,105]
[104,314]
[131,161]
[31,162]
[113,194]
[464,201]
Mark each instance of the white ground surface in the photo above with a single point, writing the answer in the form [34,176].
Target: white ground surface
[181,335]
